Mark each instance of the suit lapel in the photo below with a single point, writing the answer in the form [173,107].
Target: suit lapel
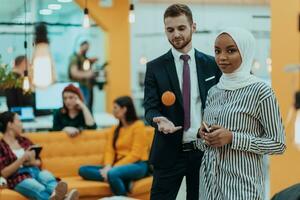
[172,74]
[201,76]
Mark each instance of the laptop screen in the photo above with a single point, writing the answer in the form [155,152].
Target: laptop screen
[50,98]
[25,113]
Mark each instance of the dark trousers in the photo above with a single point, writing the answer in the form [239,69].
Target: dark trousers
[167,181]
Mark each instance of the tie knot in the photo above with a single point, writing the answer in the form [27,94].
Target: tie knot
[185,58]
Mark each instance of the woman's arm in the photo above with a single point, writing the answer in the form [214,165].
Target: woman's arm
[272,141]
[200,142]
[109,155]
[88,118]
[13,167]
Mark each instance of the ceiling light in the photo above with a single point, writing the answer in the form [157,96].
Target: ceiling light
[64,1]
[45,12]
[86,19]
[54,6]
[131,16]
[42,62]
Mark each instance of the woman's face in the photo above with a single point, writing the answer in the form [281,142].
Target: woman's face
[16,125]
[118,111]
[69,99]
[227,54]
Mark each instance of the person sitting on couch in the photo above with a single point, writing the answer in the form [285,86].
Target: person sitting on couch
[126,152]
[21,168]
[74,115]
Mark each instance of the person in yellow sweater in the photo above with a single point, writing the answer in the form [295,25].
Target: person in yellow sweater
[126,152]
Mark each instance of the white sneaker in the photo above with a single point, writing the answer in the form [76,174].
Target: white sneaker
[60,191]
[72,195]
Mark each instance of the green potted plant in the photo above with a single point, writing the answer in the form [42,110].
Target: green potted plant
[7,78]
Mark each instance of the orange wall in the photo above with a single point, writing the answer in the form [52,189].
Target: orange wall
[285,42]
[114,21]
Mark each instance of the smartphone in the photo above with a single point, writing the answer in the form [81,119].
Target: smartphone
[206,127]
[37,150]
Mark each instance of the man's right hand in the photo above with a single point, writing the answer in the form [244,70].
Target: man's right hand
[166,126]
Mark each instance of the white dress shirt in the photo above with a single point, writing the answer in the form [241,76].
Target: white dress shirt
[196,104]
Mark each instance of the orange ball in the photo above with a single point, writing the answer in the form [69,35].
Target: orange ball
[168,98]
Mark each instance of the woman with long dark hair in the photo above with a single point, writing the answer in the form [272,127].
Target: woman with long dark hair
[21,167]
[126,150]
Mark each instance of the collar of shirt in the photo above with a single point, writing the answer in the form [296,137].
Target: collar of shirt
[177,54]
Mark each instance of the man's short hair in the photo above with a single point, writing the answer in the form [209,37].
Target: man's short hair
[19,60]
[176,10]
[84,43]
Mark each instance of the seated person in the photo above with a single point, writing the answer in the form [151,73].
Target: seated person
[20,167]
[74,115]
[126,151]
[15,97]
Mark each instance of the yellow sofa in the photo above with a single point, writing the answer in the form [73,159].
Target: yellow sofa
[63,156]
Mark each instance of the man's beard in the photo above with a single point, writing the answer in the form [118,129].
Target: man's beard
[183,45]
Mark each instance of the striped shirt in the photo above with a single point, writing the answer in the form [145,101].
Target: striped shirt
[235,171]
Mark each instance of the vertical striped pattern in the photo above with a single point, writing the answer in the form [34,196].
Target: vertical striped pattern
[235,171]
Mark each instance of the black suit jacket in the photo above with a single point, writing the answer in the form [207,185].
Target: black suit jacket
[161,76]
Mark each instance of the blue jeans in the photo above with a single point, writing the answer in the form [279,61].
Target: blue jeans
[88,96]
[118,177]
[39,187]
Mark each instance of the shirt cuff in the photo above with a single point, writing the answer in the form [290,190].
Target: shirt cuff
[240,142]
[200,143]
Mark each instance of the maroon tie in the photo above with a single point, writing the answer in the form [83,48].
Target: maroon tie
[186,92]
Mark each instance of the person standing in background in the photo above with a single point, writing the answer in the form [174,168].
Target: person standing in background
[15,97]
[80,70]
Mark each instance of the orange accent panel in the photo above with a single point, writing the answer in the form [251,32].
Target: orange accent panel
[285,43]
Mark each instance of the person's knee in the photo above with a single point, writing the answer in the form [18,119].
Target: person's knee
[32,188]
[46,175]
[113,174]
[82,171]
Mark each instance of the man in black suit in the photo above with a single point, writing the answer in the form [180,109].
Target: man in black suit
[188,74]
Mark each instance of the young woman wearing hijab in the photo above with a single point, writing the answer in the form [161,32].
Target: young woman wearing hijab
[74,115]
[245,124]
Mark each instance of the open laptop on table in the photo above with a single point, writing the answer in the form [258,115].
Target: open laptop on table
[25,113]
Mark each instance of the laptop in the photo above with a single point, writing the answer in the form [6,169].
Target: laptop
[25,113]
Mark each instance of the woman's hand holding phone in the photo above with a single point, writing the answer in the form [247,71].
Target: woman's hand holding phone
[203,130]
[216,136]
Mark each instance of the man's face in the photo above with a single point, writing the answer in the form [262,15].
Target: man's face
[84,49]
[22,65]
[179,31]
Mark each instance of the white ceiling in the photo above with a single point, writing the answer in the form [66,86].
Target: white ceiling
[10,10]
[243,2]
[13,10]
